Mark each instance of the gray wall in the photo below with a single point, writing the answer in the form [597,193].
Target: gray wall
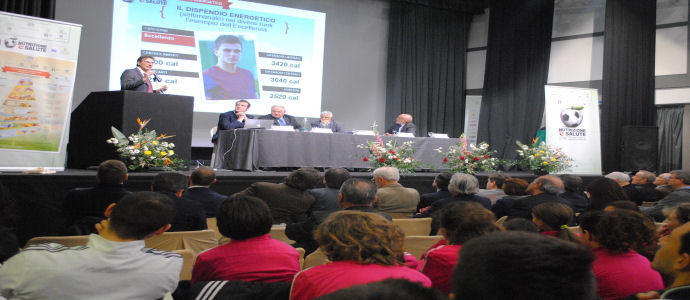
[354,79]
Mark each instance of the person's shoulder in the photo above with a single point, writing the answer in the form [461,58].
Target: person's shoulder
[160,254]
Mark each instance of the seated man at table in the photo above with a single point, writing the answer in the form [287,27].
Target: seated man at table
[403,123]
[114,264]
[327,121]
[233,119]
[280,118]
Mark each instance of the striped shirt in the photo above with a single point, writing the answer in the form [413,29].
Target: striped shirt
[222,85]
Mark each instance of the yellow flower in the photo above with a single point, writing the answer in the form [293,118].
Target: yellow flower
[553,159]
[155,142]
[170,152]
[545,163]
[542,151]
[164,153]
[147,152]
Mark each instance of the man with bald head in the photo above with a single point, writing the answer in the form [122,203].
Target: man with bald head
[200,191]
[403,123]
[543,189]
[280,118]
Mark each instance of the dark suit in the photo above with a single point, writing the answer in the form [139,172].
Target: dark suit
[287,204]
[132,80]
[326,203]
[578,201]
[85,202]
[228,121]
[439,204]
[503,205]
[289,120]
[335,126]
[208,199]
[639,193]
[409,127]
[426,199]
[522,208]
[190,216]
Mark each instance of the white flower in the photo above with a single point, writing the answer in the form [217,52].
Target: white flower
[136,151]
[131,138]
[133,158]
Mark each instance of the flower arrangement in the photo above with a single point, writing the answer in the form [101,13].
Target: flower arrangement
[391,154]
[144,149]
[541,158]
[470,159]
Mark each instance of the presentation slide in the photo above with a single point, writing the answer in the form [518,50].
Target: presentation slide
[218,51]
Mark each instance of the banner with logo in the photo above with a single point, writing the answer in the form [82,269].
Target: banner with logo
[572,124]
[38,63]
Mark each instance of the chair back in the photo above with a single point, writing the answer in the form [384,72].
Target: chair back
[417,245]
[414,226]
[196,241]
[278,233]
[212,224]
[316,258]
[188,258]
[69,241]
[301,252]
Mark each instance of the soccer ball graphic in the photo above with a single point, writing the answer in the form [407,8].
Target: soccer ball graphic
[572,116]
[11,42]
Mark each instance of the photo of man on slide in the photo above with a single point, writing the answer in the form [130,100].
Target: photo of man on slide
[226,80]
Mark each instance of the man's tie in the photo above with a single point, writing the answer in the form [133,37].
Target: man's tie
[281,122]
[148,82]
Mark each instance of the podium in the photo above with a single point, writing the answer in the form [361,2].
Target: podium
[91,121]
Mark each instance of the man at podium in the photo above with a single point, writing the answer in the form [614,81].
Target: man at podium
[139,79]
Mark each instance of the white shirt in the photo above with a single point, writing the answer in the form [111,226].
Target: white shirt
[102,269]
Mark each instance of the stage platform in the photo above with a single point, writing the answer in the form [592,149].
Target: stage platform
[39,197]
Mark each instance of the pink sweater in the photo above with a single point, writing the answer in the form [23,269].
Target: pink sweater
[621,275]
[438,263]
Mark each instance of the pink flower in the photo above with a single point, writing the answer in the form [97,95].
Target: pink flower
[461,158]
[486,157]
[365,159]
[445,159]
[382,159]
[391,151]
[475,158]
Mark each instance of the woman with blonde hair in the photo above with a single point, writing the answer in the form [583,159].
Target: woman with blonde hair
[363,247]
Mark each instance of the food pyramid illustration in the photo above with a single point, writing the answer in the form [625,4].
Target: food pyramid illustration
[18,114]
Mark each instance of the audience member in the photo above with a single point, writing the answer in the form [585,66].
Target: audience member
[620,271]
[86,205]
[673,260]
[523,266]
[389,289]
[645,190]
[543,189]
[623,180]
[247,221]
[190,216]
[355,194]
[199,191]
[393,198]
[678,216]
[680,181]
[460,222]
[113,265]
[363,247]
[520,224]
[552,218]
[494,187]
[288,201]
[327,197]
[622,204]
[662,185]
[574,192]
[440,183]
[515,188]
[603,191]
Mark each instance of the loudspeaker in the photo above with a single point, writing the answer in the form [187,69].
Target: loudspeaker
[640,144]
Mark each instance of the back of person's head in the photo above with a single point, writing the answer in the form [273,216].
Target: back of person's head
[111,172]
[679,215]
[550,184]
[683,175]
[555,216]
[303,179]
[140,214]
[442,180]
[515,187]
[203,176]
[604,191]
[389,289]
[241,217]
[520,224]
[622,204]
[618,176]
[170,182]
[463,184]
[646,175]
[358,191]
[523,266]
[571,183]
[466,220]
[619,230]
[498,179]
[365,238]
[387,173]
[335,177]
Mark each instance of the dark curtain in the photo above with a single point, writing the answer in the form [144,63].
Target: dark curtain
[517,65]
[36,8]
[628,77]
[426,65]
[670,122]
